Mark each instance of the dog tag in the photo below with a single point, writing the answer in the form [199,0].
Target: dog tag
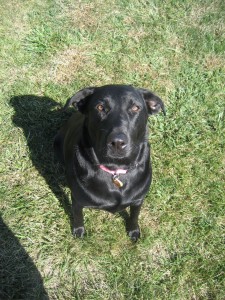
[116,181]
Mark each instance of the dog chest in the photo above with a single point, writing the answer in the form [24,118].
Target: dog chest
[99,191]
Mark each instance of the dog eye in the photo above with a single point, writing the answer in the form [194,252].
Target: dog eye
[135,108]
[100,107]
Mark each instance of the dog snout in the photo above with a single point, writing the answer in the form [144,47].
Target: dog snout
[117,141]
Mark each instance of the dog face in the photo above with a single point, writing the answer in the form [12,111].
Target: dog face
[115,119]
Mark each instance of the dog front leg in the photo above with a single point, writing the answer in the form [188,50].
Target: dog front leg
[78,219]
[133,227]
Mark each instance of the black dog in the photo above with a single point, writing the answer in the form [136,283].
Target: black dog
[105,149]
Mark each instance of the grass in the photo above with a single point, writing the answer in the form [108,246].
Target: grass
[50,49]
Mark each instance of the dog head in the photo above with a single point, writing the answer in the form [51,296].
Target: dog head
[115,119]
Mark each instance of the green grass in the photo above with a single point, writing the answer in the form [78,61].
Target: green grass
[50,49]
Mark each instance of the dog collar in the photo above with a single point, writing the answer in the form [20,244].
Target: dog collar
[115,175]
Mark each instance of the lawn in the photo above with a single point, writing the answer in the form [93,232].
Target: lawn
[49,50]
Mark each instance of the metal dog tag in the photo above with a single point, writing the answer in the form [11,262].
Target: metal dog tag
[116,181]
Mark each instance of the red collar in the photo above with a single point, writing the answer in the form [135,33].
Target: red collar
[115,175]
[113,172]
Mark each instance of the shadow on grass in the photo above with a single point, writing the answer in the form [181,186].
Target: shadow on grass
[19,277]
[40,118]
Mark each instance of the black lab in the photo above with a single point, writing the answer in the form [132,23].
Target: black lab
[104,146]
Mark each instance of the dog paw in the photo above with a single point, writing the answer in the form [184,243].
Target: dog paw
[134,234]
[78,232]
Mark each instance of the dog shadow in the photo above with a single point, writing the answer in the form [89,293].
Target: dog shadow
[40,118]
[19,277]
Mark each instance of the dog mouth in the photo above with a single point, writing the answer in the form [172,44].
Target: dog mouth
[108,155]
[117,153]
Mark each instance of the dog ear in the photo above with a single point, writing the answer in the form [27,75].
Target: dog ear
[154,103]
[79,99]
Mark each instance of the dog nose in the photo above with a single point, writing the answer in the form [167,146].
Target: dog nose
[118,141]
[118,144]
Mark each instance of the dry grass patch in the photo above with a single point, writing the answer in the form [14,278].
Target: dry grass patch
[207,18]
[75,64]
[90,15]
[82,15]
[200,10]
[18,12]
[213,62]
[149,221]
[137,34]
[68,64]
[157,252]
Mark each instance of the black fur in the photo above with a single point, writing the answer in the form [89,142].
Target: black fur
[110,129]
